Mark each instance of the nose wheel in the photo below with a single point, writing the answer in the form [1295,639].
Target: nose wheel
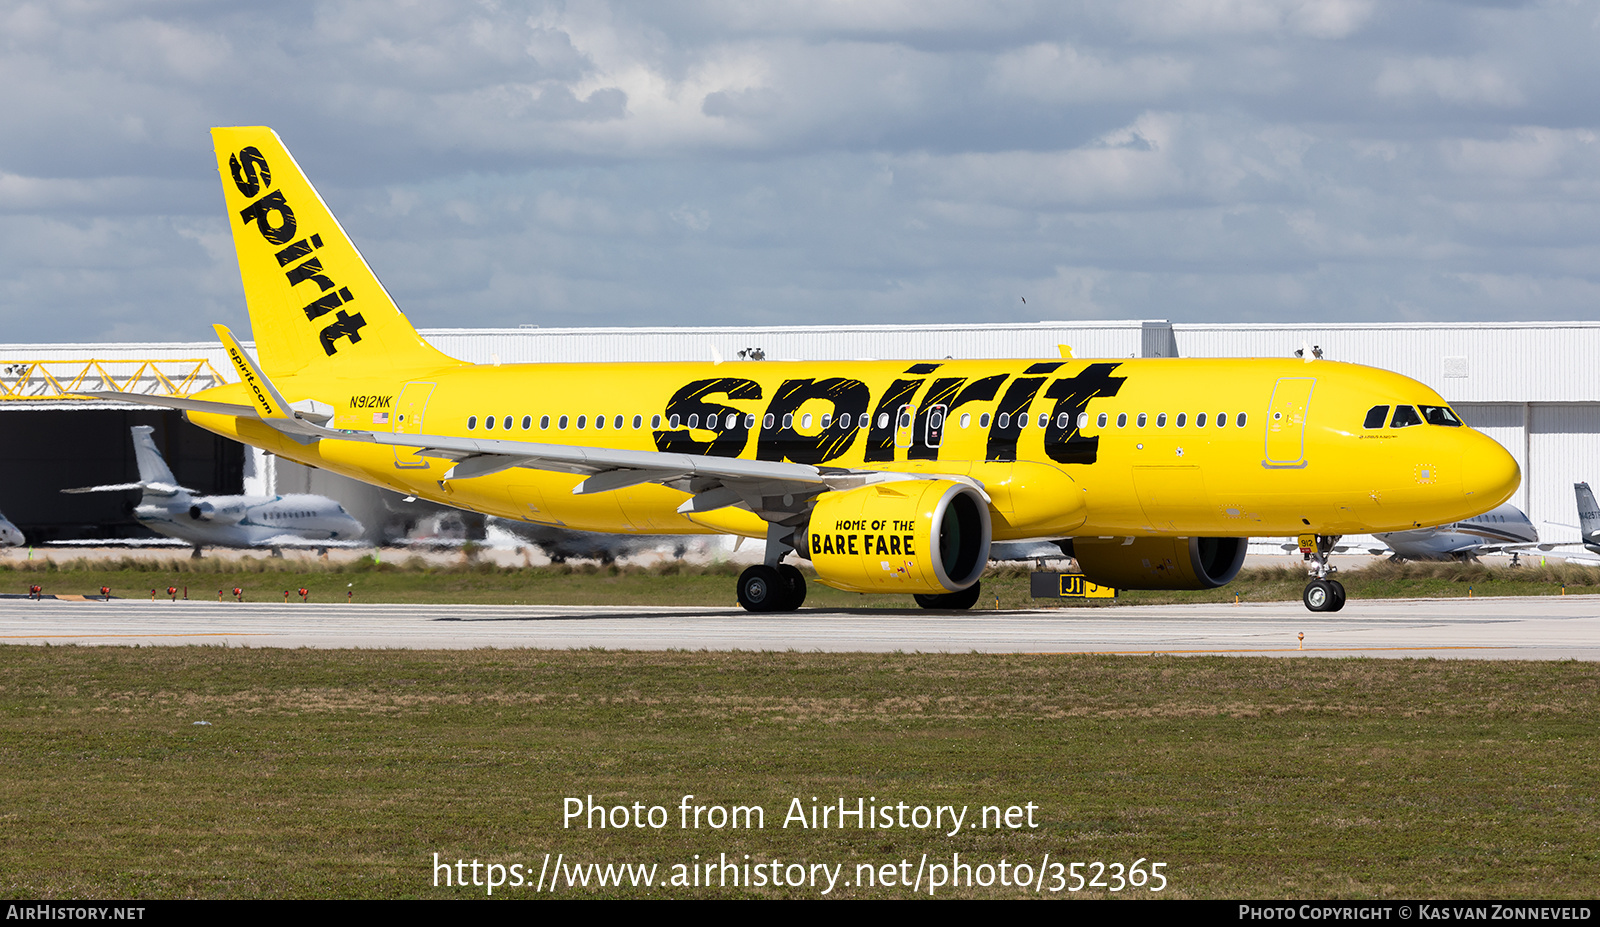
[1321,594]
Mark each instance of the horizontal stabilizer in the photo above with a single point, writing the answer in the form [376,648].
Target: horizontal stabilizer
[158,489]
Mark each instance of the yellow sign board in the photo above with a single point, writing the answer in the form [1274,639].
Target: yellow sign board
[1068,586]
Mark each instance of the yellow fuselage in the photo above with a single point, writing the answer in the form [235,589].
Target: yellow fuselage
[1283,449]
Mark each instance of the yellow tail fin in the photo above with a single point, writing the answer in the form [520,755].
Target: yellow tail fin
[315,305]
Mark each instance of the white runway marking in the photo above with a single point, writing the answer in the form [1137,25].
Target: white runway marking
[1538,628]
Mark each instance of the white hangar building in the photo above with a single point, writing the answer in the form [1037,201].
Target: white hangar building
[1533,386]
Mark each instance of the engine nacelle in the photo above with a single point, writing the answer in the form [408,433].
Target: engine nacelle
[220,515]
[1160,563]
[912,536]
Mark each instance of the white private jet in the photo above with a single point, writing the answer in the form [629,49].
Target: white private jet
[1501,530]
[1588,517]
[9,535]
[229,521]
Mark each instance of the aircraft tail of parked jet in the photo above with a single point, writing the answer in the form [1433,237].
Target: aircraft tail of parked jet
[153,469]
[309,291]
[1588,516]
[155,477]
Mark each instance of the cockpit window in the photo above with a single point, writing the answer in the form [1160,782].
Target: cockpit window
[1376,416]
[1404,417]
[1440,415]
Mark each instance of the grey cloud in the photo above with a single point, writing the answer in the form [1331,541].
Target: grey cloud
[598,163]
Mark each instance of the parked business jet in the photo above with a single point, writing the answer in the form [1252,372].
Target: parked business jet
[9,535]
[1504,529]
[228,521]
[889,476]
[1588,517]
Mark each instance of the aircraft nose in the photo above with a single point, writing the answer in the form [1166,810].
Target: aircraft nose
[1489,474]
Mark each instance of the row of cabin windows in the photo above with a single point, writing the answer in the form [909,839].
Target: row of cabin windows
[849,420]
[1406,416]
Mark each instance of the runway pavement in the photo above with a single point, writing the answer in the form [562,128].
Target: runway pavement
[1541,628]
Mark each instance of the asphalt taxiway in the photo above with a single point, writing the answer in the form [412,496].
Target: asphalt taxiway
[1538,628]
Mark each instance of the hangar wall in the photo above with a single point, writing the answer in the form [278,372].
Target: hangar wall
[47,450]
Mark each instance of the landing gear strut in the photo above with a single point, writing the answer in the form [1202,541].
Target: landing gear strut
[1322,594]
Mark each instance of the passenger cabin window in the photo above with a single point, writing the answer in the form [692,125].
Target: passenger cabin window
[1376,416]
[1404,417]
[1200,420]
[527,422]
[472,422]
[1183,419]
[1440,415]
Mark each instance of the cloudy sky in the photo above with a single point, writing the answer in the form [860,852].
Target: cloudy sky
[682,163]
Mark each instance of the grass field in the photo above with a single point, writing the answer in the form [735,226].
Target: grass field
[676,583]
[342,773]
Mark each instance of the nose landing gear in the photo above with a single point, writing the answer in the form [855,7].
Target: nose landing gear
[1321,594]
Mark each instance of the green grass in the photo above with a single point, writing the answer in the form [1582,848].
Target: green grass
[341,773]
[413,581]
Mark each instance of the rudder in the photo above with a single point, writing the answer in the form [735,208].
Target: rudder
[315,305]
[1588,516]
[152,466]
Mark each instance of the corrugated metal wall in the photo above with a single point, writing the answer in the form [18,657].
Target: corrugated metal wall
[1465,362]
[609,345]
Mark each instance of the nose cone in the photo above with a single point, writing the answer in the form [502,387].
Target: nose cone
[1489,474]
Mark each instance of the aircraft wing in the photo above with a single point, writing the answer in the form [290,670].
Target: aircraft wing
[777,491]
[712,482]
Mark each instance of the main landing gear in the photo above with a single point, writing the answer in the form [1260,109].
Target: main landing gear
[964,599]
[765,588]
[1322,594]
[773,586]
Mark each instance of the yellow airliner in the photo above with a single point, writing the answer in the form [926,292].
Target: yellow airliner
[889,476]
